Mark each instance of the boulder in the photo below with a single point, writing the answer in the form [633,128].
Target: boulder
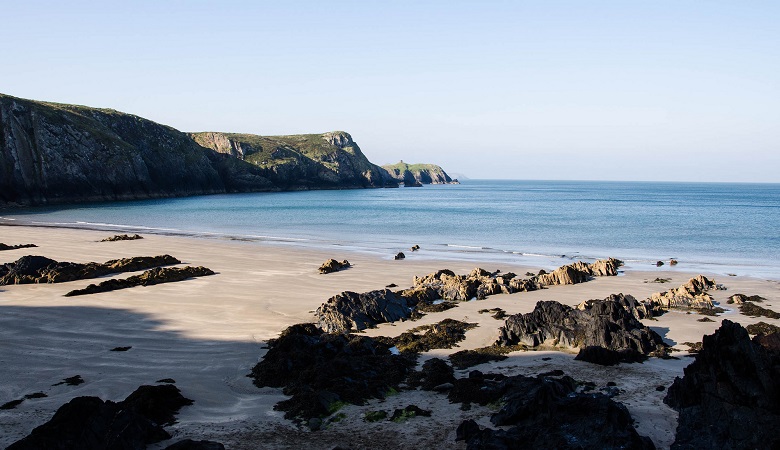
[352,311]
[691,295]
[91,423]
[435,372]
[604,324]
[544,413]
[628,302]
[729,396]
[332,265]
[319,370]
[399,255]
[122,237]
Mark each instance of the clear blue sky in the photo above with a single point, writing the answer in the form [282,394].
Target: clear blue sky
[616,90]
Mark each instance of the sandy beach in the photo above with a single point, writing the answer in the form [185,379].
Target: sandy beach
[207,334]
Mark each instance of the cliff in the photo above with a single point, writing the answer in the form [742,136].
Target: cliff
[55,153]
[411,174]
[305,161]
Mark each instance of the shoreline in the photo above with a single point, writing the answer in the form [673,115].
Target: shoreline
[207,333]
[433,252]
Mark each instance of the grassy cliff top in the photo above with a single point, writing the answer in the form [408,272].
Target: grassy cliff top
[402,166]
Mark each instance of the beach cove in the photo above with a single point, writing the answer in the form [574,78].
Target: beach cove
[208,333]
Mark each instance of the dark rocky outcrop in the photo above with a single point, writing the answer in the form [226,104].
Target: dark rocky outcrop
[544,413]
[410,411]
[15,247]
[352,311]
[467,358]
[399,256]
[603,324]
[91,423]
[158,275]
[122,237]
[332,265]
[607,357]
[762,328]
[39,269]
[435,372]
[418,174]
[753,310]
[628,302]
[729,396]
[322,370]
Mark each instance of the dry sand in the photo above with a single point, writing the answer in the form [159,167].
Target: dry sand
[207,333]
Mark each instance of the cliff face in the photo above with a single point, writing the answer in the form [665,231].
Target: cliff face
[53,153]
[330,160]
[411,174]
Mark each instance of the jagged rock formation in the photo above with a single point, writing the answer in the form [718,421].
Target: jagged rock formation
[691,295]
[90,423]
[350,311]
[158,275]
[544,413]
[413,174]
[445,334]
[603,324]
[305,161]
[320,370]
[729,396]
[332,265]
[39,269]
[480,283]
[638,309]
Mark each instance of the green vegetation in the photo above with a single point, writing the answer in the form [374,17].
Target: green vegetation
[762,328]
[375,416]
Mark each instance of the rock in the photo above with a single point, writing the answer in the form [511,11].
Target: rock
[415,248]
[12,404]
[38,269]
[604,324]
[332,265]
[352,311]
[753,310]
[606,357]
[731,391]
[319,370]
[91,423]
[434,376]
[399,255]
[121,349]
[122,237]
[628,302]
[158,275]
[468,358]
[762,328]
[544,413]
[189,444]
[660,388]
[15,247]
[158,403]
[445,334]
[443,387]
[739,299]
[71,381]
[673,262]
[691,295]
[770,341]
[659,263]
[315,423]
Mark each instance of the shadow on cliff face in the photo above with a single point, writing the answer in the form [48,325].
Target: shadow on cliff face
[42,346]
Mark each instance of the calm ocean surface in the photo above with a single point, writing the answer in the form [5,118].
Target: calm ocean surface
[720,228]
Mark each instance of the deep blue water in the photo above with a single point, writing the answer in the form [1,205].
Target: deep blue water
[717,226]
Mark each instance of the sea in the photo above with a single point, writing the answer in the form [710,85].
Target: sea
[720,228]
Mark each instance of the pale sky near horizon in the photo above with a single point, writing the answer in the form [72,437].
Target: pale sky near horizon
[587,90]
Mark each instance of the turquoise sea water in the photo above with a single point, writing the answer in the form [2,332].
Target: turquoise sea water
[721,228]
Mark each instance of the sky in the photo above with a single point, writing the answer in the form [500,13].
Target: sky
[582,90]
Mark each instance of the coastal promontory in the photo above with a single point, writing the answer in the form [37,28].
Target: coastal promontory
[411,174]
